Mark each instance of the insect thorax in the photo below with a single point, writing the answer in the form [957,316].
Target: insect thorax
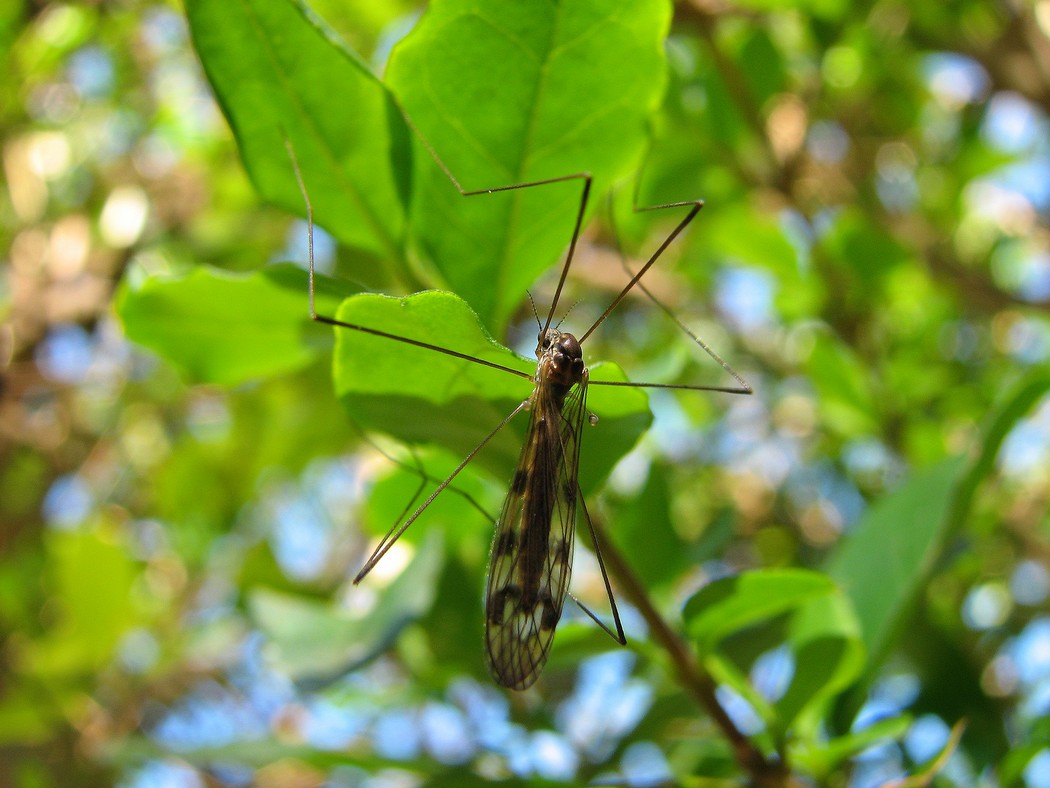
[560,360]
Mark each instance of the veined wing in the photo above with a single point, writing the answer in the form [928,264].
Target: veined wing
[532,548]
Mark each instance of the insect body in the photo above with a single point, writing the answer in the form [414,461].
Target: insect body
[532,548]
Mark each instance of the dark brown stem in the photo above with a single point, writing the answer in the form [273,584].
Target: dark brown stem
[764,772]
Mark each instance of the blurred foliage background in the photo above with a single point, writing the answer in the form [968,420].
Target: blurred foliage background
[179,525]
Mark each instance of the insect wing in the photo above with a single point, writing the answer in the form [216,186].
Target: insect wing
[532,548]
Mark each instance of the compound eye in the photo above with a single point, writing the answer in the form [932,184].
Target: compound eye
[570,346]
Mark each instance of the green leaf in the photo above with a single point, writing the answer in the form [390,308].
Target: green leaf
[422,396]
[820,758]
[227,328]
[507,94]
[459,509]
[891,551]
[821,630]
[883,562]
[278,74]
[732,604]
[824,636]
[316,642]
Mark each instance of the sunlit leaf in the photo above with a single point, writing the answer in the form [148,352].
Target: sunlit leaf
[735,603]
[829,656]
[420,395]
[227,328]
[820,758]
[273,66]
[888,552]
[821,630]
[565,87]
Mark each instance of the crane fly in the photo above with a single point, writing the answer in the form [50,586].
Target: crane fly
[531,556]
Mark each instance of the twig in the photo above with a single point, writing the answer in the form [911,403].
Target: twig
[764,772]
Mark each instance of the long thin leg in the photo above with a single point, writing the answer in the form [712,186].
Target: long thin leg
[618,635]
[742,387]
[424,479]
[577,227]
[696,205]
[745,387]
[395,533]
[399,528]
[365,329]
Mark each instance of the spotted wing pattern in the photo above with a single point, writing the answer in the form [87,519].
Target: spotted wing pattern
[532,548]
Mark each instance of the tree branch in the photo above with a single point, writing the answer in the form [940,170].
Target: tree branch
[765,773]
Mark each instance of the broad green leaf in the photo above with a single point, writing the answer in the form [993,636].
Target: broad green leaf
[315,642]
[821,631]
[279,74]
[228,328]
[732,604]
[419,395]
[507,94]
[885,558]
[820,758]
[891,551]
[824,636]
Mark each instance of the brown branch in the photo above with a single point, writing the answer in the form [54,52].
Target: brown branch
[765,773]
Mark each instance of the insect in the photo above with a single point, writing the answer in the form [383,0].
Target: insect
[532,548]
